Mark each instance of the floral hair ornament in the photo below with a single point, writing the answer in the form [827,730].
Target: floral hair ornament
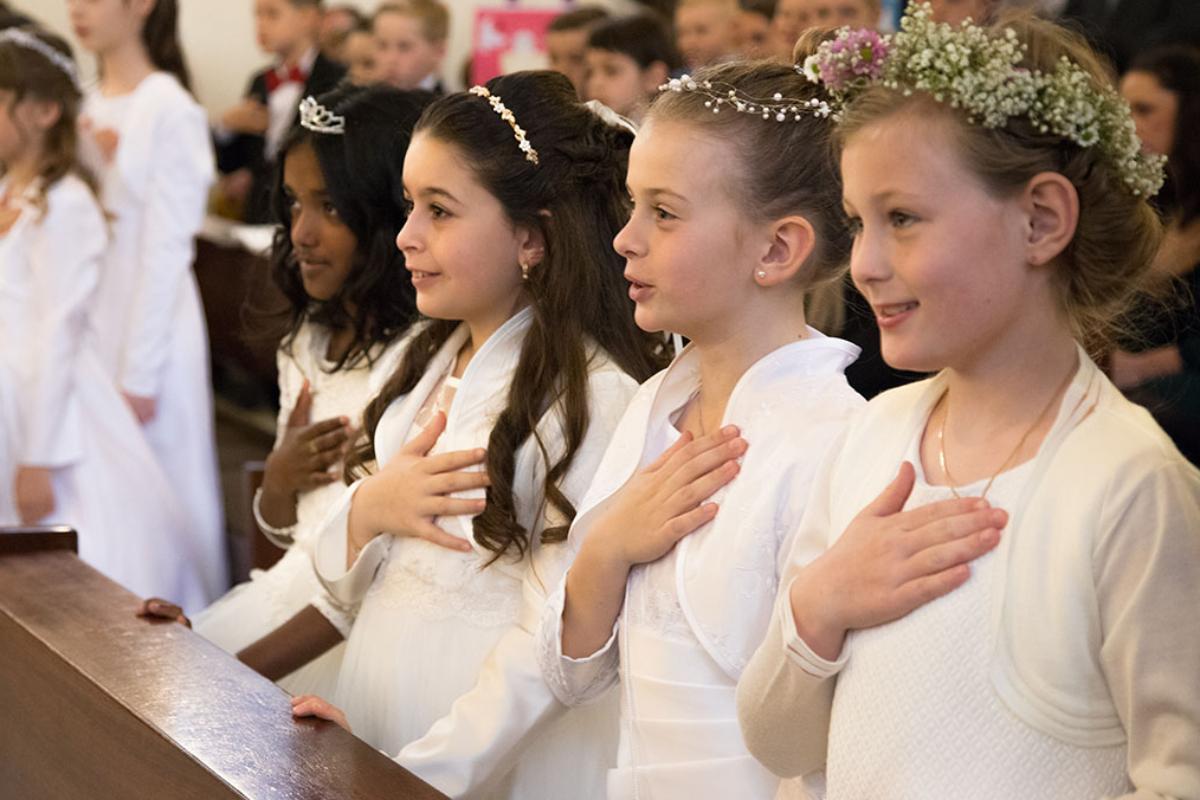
[319,119]
[725,95]
[25,39]
[506,114]
[981,74]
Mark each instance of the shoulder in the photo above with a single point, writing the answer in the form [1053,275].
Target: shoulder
[72,203]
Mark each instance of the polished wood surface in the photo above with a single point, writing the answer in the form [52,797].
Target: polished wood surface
[98,703]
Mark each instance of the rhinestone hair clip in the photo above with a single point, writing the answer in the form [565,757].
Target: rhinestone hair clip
[506,114]
[724,95]
[23,38]
[319,119]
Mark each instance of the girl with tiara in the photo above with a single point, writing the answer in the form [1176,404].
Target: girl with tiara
[486,436]
[680,536]
[148,142]
[350,302]
[993,591]
[70,450]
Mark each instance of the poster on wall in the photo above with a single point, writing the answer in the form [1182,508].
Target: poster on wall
[507,40]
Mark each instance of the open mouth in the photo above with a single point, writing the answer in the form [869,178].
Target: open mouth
[895,309]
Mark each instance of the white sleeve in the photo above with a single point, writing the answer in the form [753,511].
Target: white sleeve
[489,726]
[344,587]
[174,207]
[65,265]
[1147,564]
[574,681]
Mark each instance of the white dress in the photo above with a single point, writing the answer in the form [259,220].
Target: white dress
[440,664]
[271,597]
[149,321]
[691,619]
[59,409]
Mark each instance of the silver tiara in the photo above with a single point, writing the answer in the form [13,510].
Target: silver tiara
[23,38]
[319,119]
[506,114]
[724,95]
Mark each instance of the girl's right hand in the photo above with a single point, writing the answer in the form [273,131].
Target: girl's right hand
[406,496]
[889,562]
[666,501]
[302,460]
[157,608]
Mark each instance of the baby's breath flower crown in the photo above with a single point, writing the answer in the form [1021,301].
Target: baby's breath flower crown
[980,73]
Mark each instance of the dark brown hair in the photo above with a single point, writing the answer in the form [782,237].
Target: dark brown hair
[1104,267]
[160,36]
[578,295]
[29,74]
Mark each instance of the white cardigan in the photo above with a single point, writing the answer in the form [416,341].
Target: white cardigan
[1094,620]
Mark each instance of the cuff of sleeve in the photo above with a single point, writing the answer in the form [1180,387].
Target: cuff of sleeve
[339,617]
[797,650]
[346,585]
[557,603]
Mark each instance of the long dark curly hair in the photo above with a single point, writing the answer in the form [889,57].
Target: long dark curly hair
[578,294]
[362,169]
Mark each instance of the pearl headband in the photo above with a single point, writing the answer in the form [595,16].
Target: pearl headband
[25,39]
[506,114]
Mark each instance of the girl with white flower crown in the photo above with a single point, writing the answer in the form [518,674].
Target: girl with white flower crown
[1044,644]
[735,220]
[71,452]
[437,562]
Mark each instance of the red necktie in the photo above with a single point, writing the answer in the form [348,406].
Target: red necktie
[275,79]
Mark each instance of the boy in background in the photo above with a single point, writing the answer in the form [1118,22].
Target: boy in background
[628,58]
[410,44]
[567,42]
[705,31]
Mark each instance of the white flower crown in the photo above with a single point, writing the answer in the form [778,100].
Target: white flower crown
[27,40]
[970,69]
[319,119]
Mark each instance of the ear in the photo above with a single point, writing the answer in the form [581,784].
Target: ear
[142,8]
[653,77]
[531,243]
[790,241]
[1051,207]
[45,114]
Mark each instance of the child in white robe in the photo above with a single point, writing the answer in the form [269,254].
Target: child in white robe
[147,142]
[683,531]
[71,451]
[532,354]
[1013,614]
[350,305]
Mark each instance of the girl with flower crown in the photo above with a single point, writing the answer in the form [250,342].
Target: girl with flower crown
[350,302]
[438,560]
[735,220]
[992,593]
[147,141]
[71,452]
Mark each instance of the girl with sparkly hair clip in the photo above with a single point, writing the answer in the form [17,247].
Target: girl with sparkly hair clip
[993,591]
[71,452]
[147,141]
[349,303]
[735,221]
[438,559]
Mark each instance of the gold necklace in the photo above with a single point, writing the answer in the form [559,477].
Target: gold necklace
[941,438]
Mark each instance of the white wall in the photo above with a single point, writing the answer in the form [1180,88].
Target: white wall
[218,38]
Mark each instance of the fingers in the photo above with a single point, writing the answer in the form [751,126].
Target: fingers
[892,499]
[333,425]
[424,441]
[699,490]
[703,463]
[951,528]
[916,518]
[432,533]
[691,521]
[684,440]
[451,482]
[702,445]
[312,706]
[950,554]
[328,440]
[162,609]
[453,507]
[303,407]
[917,593]
[452,462]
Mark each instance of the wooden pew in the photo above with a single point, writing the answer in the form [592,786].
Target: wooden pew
[98,703]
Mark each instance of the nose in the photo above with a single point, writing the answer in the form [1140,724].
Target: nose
[407,240]
[868,259]
[628,243]
[305,230]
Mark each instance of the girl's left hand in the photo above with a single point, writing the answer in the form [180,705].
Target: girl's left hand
[309,705]
[34,489]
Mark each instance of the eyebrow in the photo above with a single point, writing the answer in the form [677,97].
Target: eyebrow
[434,191]
[657,193]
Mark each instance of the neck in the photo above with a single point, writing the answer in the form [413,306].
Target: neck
[482,329]
[725,357]
[23,170]
[124,67]
[297,52]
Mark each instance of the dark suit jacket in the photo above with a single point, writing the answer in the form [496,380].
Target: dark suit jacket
[1132,26]
[247,151]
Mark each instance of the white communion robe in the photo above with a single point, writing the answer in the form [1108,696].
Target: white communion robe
[149,320]
[1065,668]
[440,665]
[60,410]
[251,610]
[692,619]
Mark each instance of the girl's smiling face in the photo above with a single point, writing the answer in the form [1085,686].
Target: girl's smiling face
[461,248]
[942,260]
